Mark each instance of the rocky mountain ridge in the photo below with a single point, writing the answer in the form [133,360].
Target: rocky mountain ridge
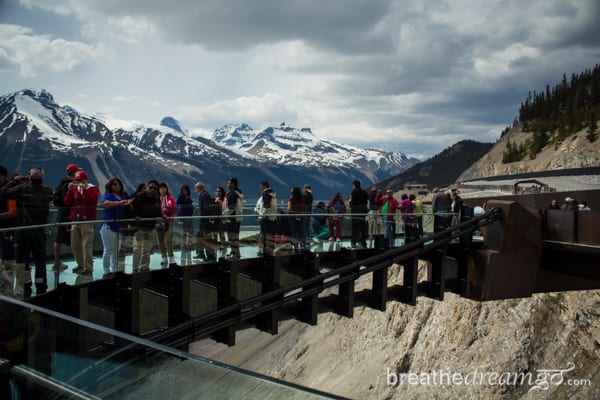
[575,151]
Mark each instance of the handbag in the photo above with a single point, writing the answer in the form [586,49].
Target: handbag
[163,225]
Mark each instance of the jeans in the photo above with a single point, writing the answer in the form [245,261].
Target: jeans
[389,231]
[110,241]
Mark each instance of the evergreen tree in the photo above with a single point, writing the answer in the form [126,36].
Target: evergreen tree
[592,132]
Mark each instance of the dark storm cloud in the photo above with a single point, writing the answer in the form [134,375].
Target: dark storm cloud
[233,25]
[414,73]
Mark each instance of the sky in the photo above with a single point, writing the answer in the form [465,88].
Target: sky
[397,75]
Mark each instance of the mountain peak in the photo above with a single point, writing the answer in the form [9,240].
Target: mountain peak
[41,95]
[233,134]
[172,123]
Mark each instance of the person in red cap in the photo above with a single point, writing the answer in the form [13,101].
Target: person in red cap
[63,237]
[82,197]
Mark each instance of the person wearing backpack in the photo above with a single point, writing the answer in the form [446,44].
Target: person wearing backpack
[233,212]
[63,236]
[267,216]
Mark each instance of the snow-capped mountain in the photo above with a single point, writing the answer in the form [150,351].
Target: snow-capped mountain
[36,130]
[300,147]
[233,135]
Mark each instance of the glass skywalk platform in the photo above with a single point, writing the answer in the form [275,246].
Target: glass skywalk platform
[184,252]
[44,354]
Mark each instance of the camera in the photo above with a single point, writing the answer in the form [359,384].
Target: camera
[21,178]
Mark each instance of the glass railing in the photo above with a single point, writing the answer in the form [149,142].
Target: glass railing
[48,355]
[60,262]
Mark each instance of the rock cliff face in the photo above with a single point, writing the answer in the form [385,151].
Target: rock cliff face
[574,152]
[489,342]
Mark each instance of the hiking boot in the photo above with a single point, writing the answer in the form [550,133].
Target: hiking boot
[78,269]
[84,272]
[59,267]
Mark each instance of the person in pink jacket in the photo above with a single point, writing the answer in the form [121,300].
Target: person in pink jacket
[82,198]
[168,206]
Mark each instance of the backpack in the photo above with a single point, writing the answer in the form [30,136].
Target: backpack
[238,210]
[268,209]
[239,207]
[408,212]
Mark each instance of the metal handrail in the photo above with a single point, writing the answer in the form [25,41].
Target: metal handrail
[317,283]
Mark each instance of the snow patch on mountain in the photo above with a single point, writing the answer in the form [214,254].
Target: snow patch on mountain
[43,120]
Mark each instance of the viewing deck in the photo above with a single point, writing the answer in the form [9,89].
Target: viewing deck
[512,250]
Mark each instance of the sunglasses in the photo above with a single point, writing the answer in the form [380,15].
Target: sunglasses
[152,188]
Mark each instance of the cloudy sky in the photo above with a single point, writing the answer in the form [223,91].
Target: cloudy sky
[401,75]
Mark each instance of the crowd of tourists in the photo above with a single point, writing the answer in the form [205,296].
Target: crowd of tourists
[145,219]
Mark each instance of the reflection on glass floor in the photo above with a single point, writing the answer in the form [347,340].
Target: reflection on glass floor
[49,355]
[188,257]
[250,247]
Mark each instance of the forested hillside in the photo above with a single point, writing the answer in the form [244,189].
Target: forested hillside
[556,114]
[441,169]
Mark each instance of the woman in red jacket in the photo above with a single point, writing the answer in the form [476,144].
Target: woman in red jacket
[82,198]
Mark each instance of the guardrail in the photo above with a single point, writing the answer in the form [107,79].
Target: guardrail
[224,320]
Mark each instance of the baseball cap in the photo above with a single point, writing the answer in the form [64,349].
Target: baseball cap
[80,175]
[72,168]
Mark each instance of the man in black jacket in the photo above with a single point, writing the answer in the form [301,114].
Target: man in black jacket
[8,213]
[33,206]
[146,207]
[63,236]
[358,203]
